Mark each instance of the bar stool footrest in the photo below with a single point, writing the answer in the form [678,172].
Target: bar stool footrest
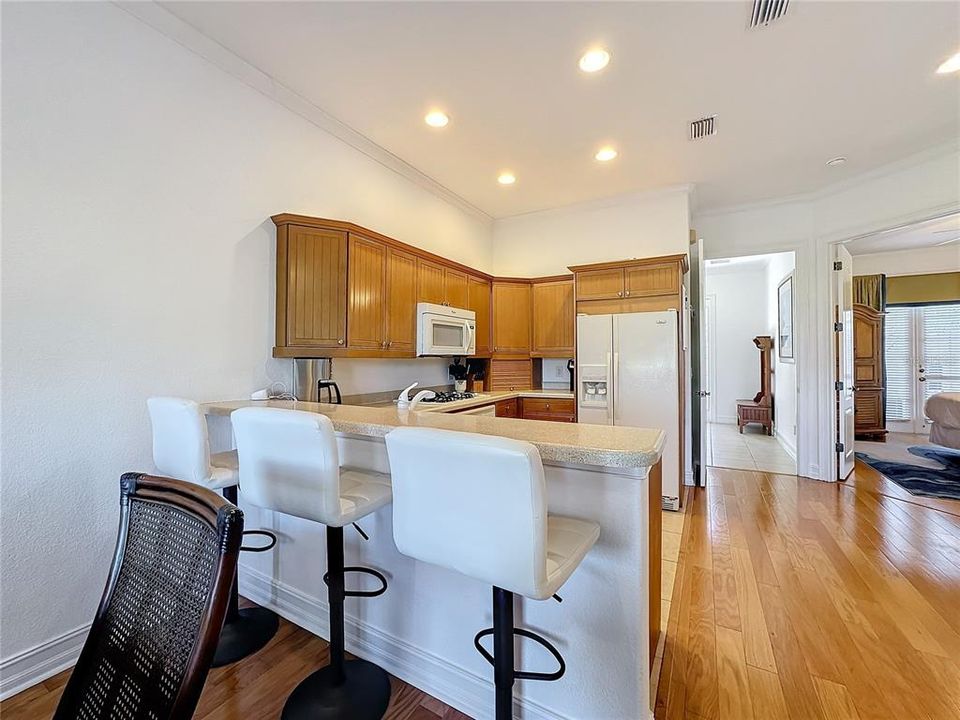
[524,674]
[260,548]
[361,593]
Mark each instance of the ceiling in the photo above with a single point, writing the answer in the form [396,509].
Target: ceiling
[831,78]
[933,233]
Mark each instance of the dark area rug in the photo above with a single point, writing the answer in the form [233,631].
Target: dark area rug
[919,480]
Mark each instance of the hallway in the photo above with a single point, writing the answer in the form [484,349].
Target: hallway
[751,450]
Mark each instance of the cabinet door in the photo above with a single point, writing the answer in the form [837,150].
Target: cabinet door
[600,284]
[648,280]
[368,276]
[316,302]
[553,319]
[508,408]
[401,328]
[430,282]
[511,374]
[511,318]
[455,288]
[478,300]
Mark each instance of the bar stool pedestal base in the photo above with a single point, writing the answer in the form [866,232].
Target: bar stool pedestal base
[245,634]
[363,695]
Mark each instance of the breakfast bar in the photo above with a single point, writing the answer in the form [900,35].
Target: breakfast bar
[421,630]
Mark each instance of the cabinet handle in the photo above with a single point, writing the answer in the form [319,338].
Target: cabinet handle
[390,344]
[620,294]
[340,341]
[628,293]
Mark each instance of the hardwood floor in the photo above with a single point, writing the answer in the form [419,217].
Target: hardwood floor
[802,600]
[793,600]
[253,689]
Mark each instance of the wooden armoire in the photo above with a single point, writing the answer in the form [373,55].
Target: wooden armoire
[869,411]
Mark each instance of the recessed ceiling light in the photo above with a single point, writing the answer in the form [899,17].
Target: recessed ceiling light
[594,60]
[836,161]
[436,118]
[605,153]
[507,178]
[950,65]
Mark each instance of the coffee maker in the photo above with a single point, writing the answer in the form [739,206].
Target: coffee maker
[311,376]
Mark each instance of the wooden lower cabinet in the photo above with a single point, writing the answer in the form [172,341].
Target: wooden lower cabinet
[552,409]
[508,408]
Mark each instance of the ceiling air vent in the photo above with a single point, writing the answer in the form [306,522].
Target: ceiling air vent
[704,127]
[765,12]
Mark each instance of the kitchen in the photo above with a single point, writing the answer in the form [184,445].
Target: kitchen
[507,343]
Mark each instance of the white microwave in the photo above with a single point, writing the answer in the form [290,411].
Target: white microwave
[443,330]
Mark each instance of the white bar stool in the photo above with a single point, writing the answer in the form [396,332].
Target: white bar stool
[181,450]
[477,504]
[289,462]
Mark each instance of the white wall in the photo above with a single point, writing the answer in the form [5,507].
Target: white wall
[740,314]
[920,261]
[138,259]
[779,266]
[546,243]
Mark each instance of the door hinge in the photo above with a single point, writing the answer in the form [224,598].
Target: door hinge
[838,265]
[839,447]
[838,327]
[838,385]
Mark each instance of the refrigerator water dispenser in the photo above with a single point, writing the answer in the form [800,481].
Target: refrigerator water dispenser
[593,386]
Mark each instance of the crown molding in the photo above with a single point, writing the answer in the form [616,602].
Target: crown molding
[604,202]
[190,38]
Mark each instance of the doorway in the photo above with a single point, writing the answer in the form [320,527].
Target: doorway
[904,346]
[749,366]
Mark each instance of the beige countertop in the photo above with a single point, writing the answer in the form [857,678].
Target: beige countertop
[601,445]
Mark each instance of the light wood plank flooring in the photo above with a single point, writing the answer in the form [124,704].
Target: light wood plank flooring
[793,600]
[801,600]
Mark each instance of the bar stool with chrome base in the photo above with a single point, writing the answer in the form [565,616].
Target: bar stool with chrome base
[181,450]
[477,504]
[289,462]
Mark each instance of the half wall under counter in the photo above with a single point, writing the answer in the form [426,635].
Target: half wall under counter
[422,629]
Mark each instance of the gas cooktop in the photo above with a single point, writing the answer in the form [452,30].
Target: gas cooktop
[445,397]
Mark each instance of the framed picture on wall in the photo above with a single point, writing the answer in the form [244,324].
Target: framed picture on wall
[785,319]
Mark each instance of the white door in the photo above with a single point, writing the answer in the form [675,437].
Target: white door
[843,270]
[646,382]
[594,379]
[921,358]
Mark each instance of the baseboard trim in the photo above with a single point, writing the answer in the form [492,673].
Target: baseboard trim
[726,419]
[791,450]
[451,684]
[43,661]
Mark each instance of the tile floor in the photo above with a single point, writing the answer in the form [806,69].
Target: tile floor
[670,556]
[753,450]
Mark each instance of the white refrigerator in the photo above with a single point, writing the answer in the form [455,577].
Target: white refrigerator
[628,374]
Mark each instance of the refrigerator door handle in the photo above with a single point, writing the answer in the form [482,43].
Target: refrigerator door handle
[609,393]
[616,382]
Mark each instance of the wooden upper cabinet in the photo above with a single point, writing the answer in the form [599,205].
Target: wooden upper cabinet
[600,284]
[455,288]
[647,280]
[553,319]
[478,300]
[511,318]
[311,287]
[430,286]
[401,320]
[367,286]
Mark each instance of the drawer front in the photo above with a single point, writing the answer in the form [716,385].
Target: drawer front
[508,408]
[562,406]
[550,417]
